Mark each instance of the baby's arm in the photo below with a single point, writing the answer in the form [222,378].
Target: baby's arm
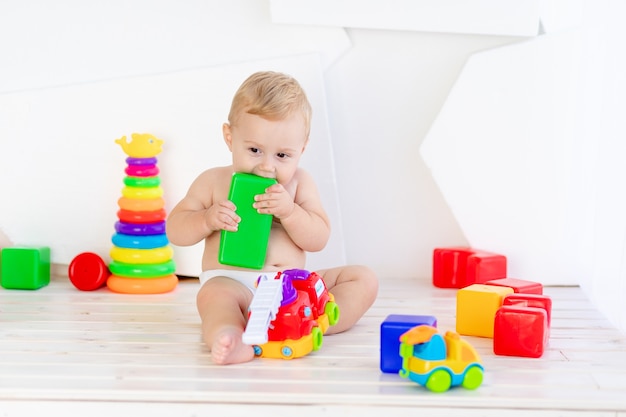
[197,216]
[302,215]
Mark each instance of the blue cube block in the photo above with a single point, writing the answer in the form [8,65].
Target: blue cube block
[390,331]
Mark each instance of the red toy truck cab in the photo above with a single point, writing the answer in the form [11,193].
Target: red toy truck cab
[307,310]
[294,319]
[323,305]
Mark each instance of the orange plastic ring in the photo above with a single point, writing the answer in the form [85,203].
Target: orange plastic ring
[142,286]
[144,204]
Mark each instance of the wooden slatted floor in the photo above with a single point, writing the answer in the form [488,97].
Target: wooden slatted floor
[65,352]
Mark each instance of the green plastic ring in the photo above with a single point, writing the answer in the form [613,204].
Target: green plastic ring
[142,270]
[142,182]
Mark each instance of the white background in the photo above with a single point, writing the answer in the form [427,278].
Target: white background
[389,101]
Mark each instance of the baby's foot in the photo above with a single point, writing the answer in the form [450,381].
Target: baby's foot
[228,348]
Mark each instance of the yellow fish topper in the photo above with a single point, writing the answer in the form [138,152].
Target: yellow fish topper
[142,145]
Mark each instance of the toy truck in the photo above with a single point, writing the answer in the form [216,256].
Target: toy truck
[297,327]
[439,362]
[324,309]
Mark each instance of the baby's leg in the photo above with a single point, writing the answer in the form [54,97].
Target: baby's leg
[355,288]
[223,307]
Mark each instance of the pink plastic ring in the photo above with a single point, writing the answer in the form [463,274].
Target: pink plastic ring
[142,171]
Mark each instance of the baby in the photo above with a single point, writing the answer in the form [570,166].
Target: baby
[267,133]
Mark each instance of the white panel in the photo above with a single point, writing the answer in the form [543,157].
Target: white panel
[557,15]
[48,43]
[508,154]
[607,285]
[605,107]
[61,172]
[491,17]
[383,95]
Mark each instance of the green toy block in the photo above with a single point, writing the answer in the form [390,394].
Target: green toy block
[247,246]
[25,268]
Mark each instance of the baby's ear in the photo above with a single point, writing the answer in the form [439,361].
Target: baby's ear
[228,138]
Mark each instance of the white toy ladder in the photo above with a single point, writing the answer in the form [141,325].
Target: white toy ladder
[263,309]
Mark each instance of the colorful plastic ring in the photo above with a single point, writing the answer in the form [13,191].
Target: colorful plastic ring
[142,171]
[131,216]
[141,256]
[144,204]
[142,181]
[88,271]
[139,242]
[141,161]
[142,286]
[142,193]
[142,270]
[140,229]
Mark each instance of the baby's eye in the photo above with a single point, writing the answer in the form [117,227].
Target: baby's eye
[254,150]
[282,155]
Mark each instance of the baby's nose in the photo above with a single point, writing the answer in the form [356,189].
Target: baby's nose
[266,168]
[266,165]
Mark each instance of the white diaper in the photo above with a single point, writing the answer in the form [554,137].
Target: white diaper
[247,278]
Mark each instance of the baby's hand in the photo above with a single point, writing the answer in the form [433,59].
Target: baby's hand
[276,201]
[222,216]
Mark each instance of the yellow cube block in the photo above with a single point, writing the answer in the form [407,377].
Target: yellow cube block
[476,307]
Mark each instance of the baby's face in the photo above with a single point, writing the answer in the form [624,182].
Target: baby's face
[268,148]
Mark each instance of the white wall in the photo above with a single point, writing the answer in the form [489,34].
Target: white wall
[605,131]
[75,77]
[384,89]
[384,94]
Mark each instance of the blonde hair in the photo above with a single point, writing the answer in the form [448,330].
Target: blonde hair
[271,95]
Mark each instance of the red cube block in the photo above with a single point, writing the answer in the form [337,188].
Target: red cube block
[458,267]
[520,331]
[530,300]
[518,285]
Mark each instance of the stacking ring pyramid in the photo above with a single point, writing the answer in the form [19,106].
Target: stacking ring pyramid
[141,254]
